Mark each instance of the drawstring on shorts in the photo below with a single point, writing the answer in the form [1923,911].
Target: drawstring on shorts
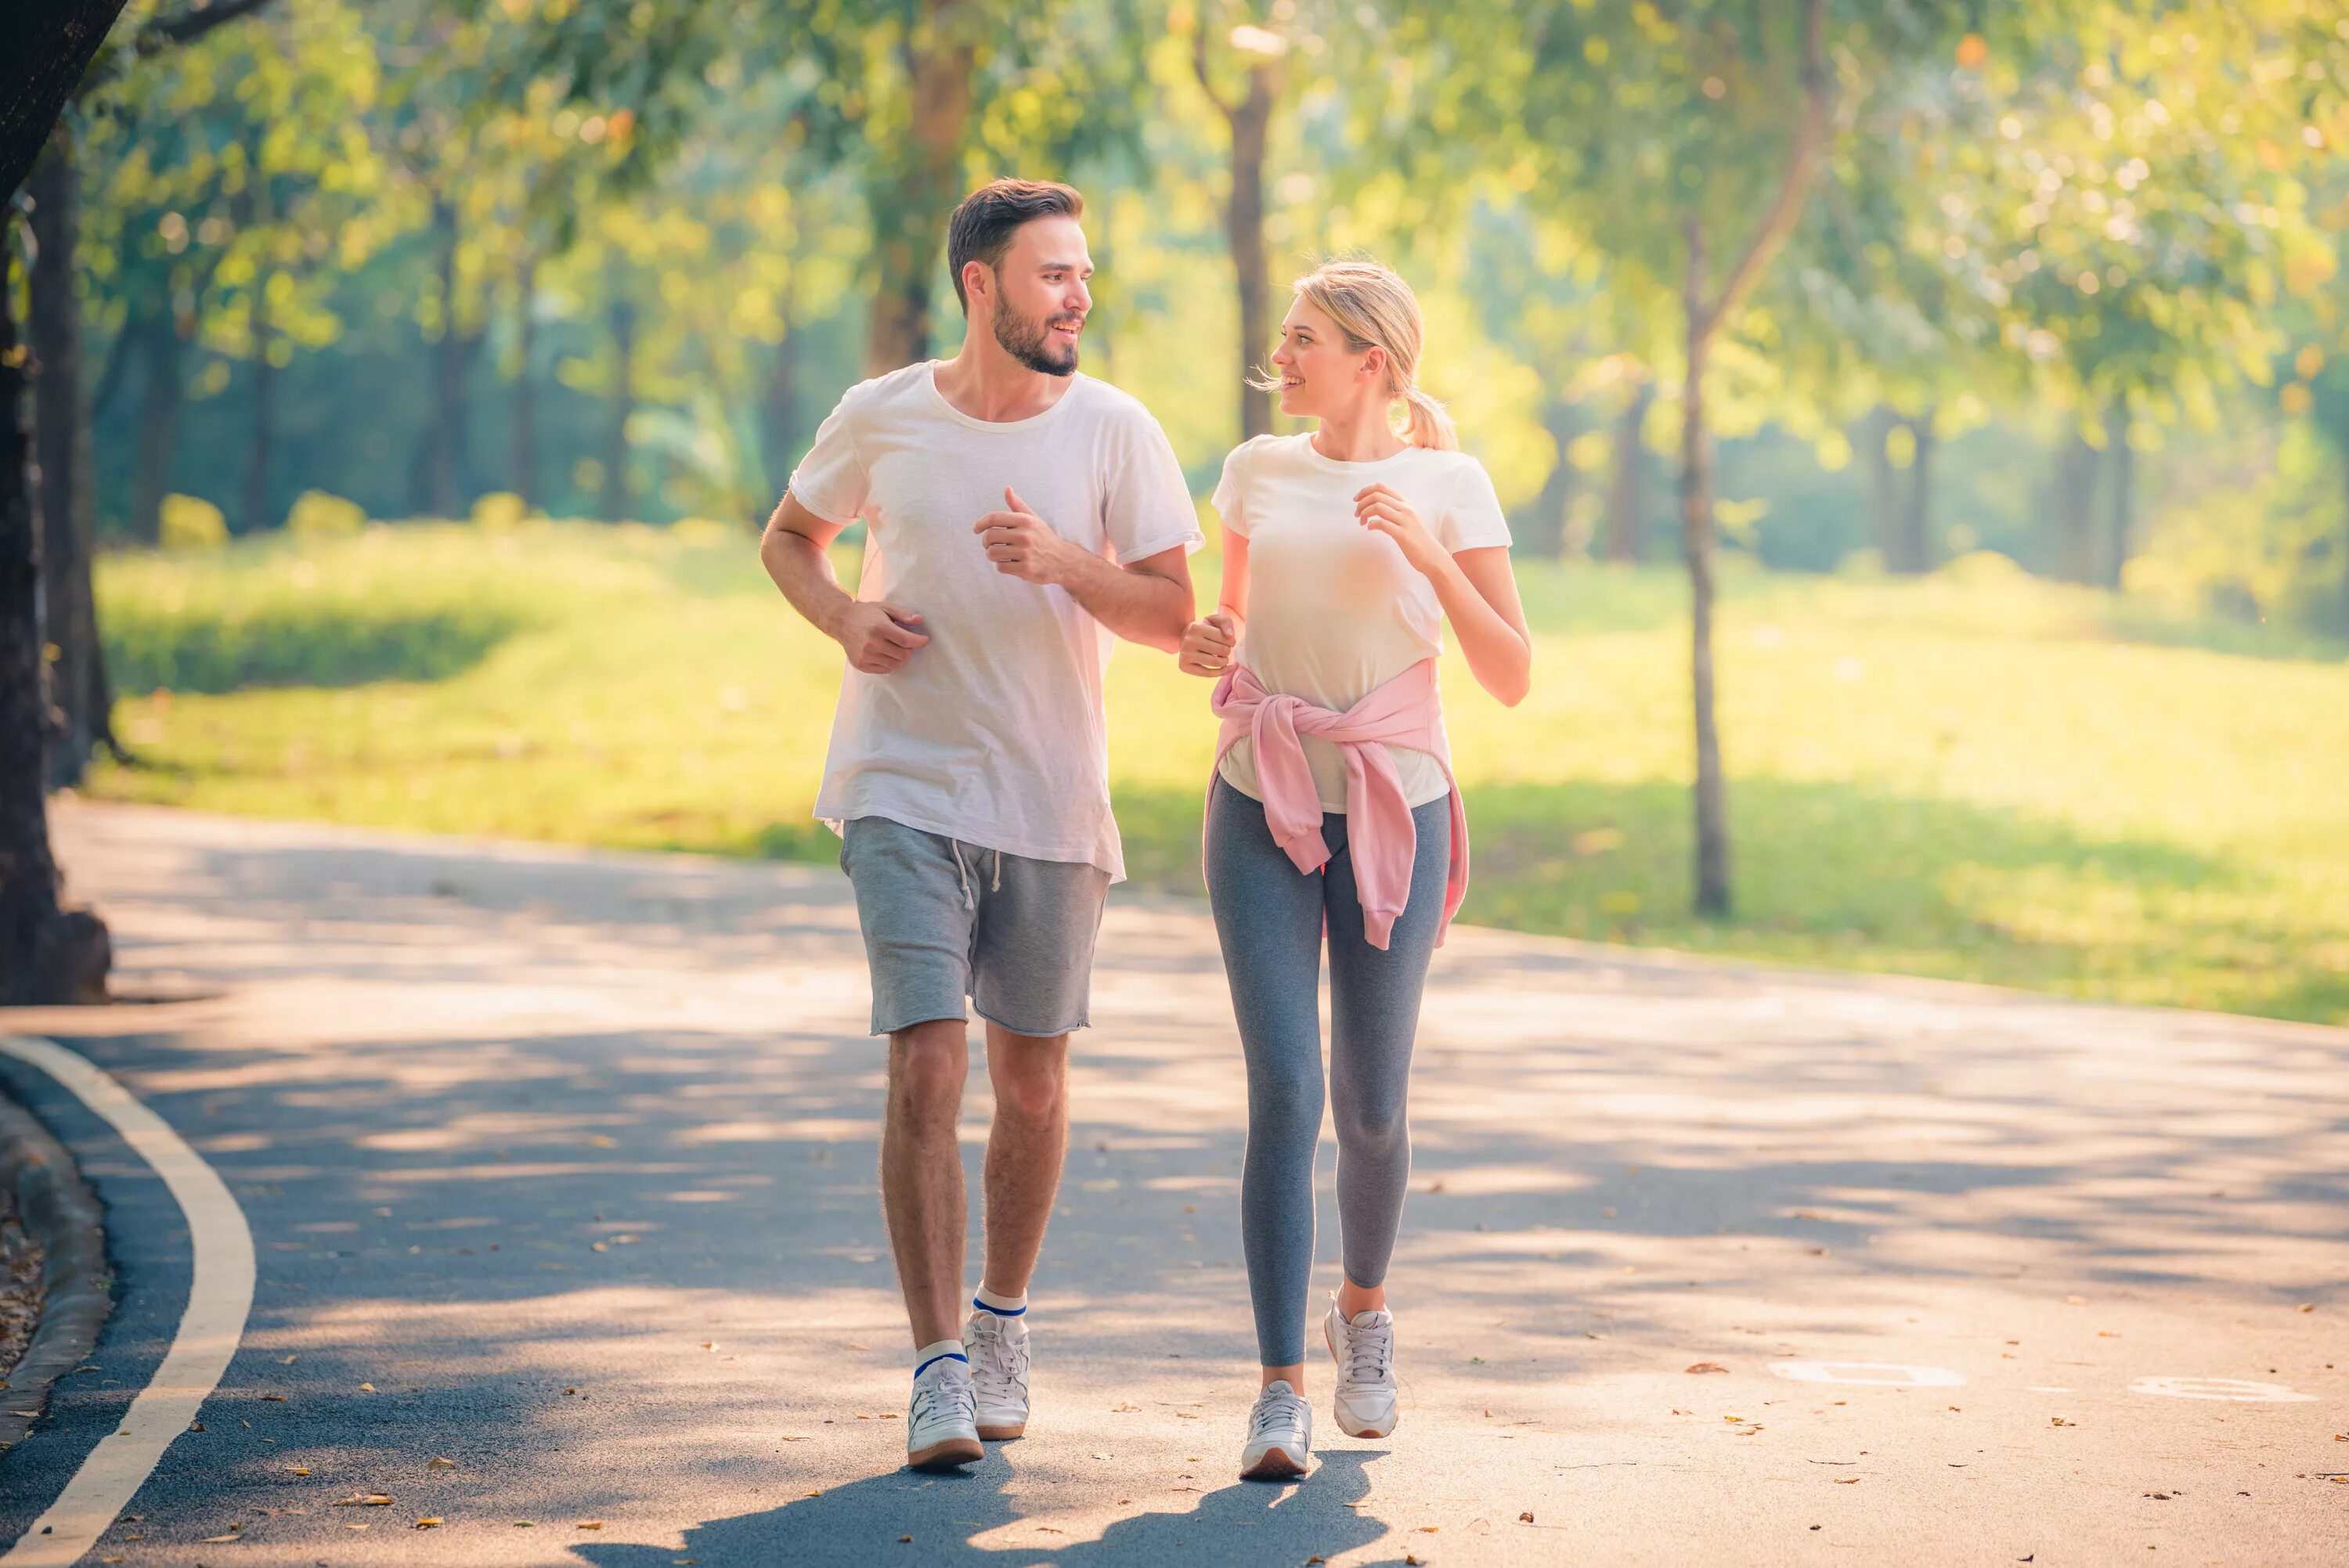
[962,873]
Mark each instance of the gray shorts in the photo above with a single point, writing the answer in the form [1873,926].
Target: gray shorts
[945,919]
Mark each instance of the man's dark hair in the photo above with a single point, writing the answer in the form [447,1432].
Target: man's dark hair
[982,227]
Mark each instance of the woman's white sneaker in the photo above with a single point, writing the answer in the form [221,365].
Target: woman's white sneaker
[997,1344]
[1280,1435]
[1363,1347]
[942,1423]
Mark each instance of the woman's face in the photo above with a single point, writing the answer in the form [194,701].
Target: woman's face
[1320,375]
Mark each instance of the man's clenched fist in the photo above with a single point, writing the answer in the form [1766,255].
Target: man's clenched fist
[1022,544]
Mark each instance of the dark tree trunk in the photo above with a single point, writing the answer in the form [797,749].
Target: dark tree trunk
[1552,527]
[160,399]
[2121,517]
[1251,122]
[62,456]
[1883,506]
[779,412]
[44,47]
[1627,503]
[913,196]
[525,394]
[258,454]
[445,456]
[47,953]
[1917,516]
[1697,541]
[623,404]
[2076,486]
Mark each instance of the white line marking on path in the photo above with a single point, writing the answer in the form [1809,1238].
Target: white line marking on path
[220,1295]
[2233,1388]
[1874,1374]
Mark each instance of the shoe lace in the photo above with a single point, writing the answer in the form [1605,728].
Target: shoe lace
[1273,1410]
[942,1395]
[1370,1350]
[998,1365]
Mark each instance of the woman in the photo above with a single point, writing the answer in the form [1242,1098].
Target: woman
[1332,804]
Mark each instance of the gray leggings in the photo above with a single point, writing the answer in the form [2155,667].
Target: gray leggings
[1270,918]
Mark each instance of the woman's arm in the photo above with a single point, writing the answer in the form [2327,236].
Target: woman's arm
[1477,588]
[1208,645]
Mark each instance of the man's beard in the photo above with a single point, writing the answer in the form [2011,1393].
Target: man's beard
[1029,341]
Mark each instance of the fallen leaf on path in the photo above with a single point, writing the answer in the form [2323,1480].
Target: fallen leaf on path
[2060,1421]
[1123,1409]
[902,1539]
[299,1470]
[1846,1480]
[366,1387]
[289,1360]
[1429,1529]
[214,1540]
[1706,1366]
[437,1462]
[591,1524]
[2159,1496]
[525,1524]
[429,1522]
[365,1500]
[1525,1519]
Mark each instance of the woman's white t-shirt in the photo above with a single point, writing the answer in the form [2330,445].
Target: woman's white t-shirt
[993,733]
[1333,609]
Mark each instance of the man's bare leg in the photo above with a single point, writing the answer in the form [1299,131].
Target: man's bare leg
[1024,1151]
[921,1174]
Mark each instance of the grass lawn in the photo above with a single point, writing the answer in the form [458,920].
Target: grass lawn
[1974,775]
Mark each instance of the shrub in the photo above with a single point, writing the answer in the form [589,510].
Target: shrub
[316,515]
[499,510]
[192,522]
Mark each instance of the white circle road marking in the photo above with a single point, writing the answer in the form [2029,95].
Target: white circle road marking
[220,1295]
[1877,1374]
[2233,1388]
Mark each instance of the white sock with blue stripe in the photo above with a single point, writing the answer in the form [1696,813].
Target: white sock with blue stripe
[1001,1306]
[944,1350]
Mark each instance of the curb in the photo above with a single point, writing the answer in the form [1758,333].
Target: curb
[60,1211]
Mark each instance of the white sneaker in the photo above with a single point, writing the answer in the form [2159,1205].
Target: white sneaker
[942,1424]
[998,1348]
[1280,1435]
[1364,1351]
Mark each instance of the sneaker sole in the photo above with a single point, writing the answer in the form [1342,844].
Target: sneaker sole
[1364,1431]
[1276,1465]
[1002,1434]
[951,1453]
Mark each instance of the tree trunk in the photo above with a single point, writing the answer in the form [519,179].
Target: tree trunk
[779,412]
[1883,507]
[444,459]
[47,953]
[159,424]
[623,404]
[1250,122]
[265,422]
[1627,504]
[1551,530]
[2075,484]
[62,455]
[47,45]
[1917,517]
[913,195]
[2121,517]
[1697,541]
[526,396]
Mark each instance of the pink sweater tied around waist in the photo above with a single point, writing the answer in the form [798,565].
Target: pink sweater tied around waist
[1405,711]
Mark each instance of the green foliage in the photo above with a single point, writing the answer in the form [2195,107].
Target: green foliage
[317,513]
[192,522]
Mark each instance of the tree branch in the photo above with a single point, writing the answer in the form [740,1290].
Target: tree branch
[1801,159]
[1200,70]
[192,24]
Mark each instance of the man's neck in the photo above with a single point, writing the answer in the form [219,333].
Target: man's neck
[985,383]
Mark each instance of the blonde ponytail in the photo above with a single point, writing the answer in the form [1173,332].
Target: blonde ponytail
[1375,308]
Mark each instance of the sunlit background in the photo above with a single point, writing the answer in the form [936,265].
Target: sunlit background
[435,362]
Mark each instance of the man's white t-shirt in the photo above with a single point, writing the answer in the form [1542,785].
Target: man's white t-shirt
[1334,611]
[994,733]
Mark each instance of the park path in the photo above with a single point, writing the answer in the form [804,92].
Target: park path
[559,1166]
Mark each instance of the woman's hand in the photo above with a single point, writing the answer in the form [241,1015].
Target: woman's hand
[1382,511]
[1208,645]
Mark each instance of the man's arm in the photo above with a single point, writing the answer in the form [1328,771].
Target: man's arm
[1148,601]
[878,637]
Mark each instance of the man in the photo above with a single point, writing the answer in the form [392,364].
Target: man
[1020,514]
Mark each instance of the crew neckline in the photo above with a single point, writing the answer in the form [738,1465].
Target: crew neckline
[1003,427]
[1349,465]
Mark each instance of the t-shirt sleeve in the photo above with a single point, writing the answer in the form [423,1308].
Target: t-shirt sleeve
[1473,520]
[1230,498]
[831,480]
[1149,507]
